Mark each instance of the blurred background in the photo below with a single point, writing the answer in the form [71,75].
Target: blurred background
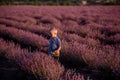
[60,2]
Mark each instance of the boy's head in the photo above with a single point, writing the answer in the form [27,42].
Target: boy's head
[53,32]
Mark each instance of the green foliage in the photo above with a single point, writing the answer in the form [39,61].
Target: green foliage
[112,3]
[51,2]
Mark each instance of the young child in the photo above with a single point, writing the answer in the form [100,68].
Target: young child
[55,44]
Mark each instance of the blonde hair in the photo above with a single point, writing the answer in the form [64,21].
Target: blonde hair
[53,29]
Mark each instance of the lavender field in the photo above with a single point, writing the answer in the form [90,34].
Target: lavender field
[90,38]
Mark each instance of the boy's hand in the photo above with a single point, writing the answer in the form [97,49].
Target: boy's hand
[56,53]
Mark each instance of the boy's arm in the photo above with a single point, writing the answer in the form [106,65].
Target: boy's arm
[59,44]
[59,48]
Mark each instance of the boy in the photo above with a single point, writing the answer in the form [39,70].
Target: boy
[55,44]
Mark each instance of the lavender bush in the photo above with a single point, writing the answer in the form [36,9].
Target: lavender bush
[23,37]
[71,75]
[42,65]
[39,64]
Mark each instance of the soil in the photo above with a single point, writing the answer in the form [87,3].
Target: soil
[11,71]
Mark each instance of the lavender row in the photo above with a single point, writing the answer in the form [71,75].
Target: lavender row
[25,26]
[40,30]
[23,37]
[98,14]
[23,19]
[97,32]
[44,32]
[82,55]
[37,63]
[96,57]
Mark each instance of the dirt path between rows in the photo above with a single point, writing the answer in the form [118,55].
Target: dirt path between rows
[11,71]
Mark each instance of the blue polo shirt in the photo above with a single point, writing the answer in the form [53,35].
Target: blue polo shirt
[55,43]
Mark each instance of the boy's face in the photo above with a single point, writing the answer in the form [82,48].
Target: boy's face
[53,33]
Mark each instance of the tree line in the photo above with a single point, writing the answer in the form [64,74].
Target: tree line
[59,2]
